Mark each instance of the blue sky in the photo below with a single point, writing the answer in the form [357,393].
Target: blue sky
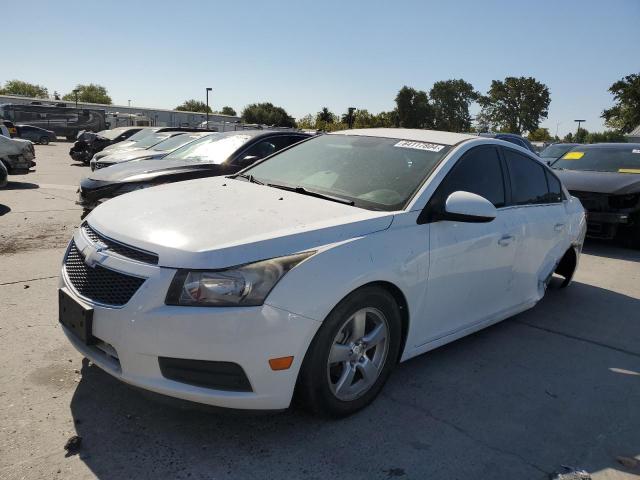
[306,55]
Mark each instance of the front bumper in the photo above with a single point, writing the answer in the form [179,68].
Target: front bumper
[135,335]
[604,225]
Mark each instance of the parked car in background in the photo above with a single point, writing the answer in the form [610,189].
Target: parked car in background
[606,179]
[90,143]
[215,154]
[512,138]
[36,134]
[17,155]
[11,130]
[555,151]
[317,269]
[156,152]
[142,134]
[108,157]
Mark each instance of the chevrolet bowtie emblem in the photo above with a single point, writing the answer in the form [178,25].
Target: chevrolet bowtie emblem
[92,253]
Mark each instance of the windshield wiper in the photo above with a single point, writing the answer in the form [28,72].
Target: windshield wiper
[304,191]
[249,177]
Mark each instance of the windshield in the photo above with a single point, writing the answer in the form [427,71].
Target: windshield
[151,140]
[174,142]
[557,150]
[145,132]
[111,134]
[214,148]
[375,173]
[622,159]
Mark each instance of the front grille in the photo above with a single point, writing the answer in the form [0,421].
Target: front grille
[120,248]
[593,202]
[99,284]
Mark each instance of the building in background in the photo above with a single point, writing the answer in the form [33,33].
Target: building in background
[119,115]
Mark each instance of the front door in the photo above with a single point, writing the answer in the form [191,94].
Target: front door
[470,273]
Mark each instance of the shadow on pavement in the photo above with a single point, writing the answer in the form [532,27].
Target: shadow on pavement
[516,400]
[4,209]
[611,249]
[20,186]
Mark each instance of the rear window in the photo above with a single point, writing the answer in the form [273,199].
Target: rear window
[622,159]
[555,151]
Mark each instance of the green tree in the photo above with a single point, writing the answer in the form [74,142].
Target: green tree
[228,111]
[194,106]
[267,114]
[625,114]
[608,136]
[414,110]
[568,138]
[540,135]
[516,105]
[450,100]
[307,122]
[18,87]
[325,116]
[92,93]
[581,135]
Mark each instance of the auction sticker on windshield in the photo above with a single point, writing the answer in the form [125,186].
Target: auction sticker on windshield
[430,147]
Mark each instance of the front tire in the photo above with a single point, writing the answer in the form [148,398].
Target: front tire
[352,355]
[44,140]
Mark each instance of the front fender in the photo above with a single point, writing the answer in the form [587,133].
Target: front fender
[398,255]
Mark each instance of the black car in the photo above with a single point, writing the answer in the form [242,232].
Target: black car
[89,143]
[556,150]
[512,138]
[36,134]
[606,179]
[213,155]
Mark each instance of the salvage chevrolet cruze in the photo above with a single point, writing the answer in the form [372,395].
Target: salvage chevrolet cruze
[315,271]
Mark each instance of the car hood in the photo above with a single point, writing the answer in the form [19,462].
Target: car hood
[127,171]
[14,146]
[600,182]
[220,222]
[128,155]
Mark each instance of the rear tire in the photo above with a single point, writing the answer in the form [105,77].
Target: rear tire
[44,140]
[352,354]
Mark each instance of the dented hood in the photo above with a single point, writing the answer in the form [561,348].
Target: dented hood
[220,222]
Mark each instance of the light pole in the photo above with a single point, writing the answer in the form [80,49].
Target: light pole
[350,117]
[207,89]
[76,94]
[129,102]
[579,122]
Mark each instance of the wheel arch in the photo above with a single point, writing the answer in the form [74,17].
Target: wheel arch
[567,266]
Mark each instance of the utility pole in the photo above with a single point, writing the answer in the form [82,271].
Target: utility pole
[75,91]
[350,116]
[579,123]
[207,89]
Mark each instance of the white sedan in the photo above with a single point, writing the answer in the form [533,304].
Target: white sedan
[315,271]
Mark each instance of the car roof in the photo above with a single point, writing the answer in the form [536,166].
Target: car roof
[258,133]
[435,136]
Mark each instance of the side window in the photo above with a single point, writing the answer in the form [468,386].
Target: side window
[479,171]
[528,179]
[555,189]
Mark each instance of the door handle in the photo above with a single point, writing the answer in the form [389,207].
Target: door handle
[558,227]
[505,240]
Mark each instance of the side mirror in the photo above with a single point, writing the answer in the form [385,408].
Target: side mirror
[468,207]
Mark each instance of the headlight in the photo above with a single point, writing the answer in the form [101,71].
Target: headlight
[245,285]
